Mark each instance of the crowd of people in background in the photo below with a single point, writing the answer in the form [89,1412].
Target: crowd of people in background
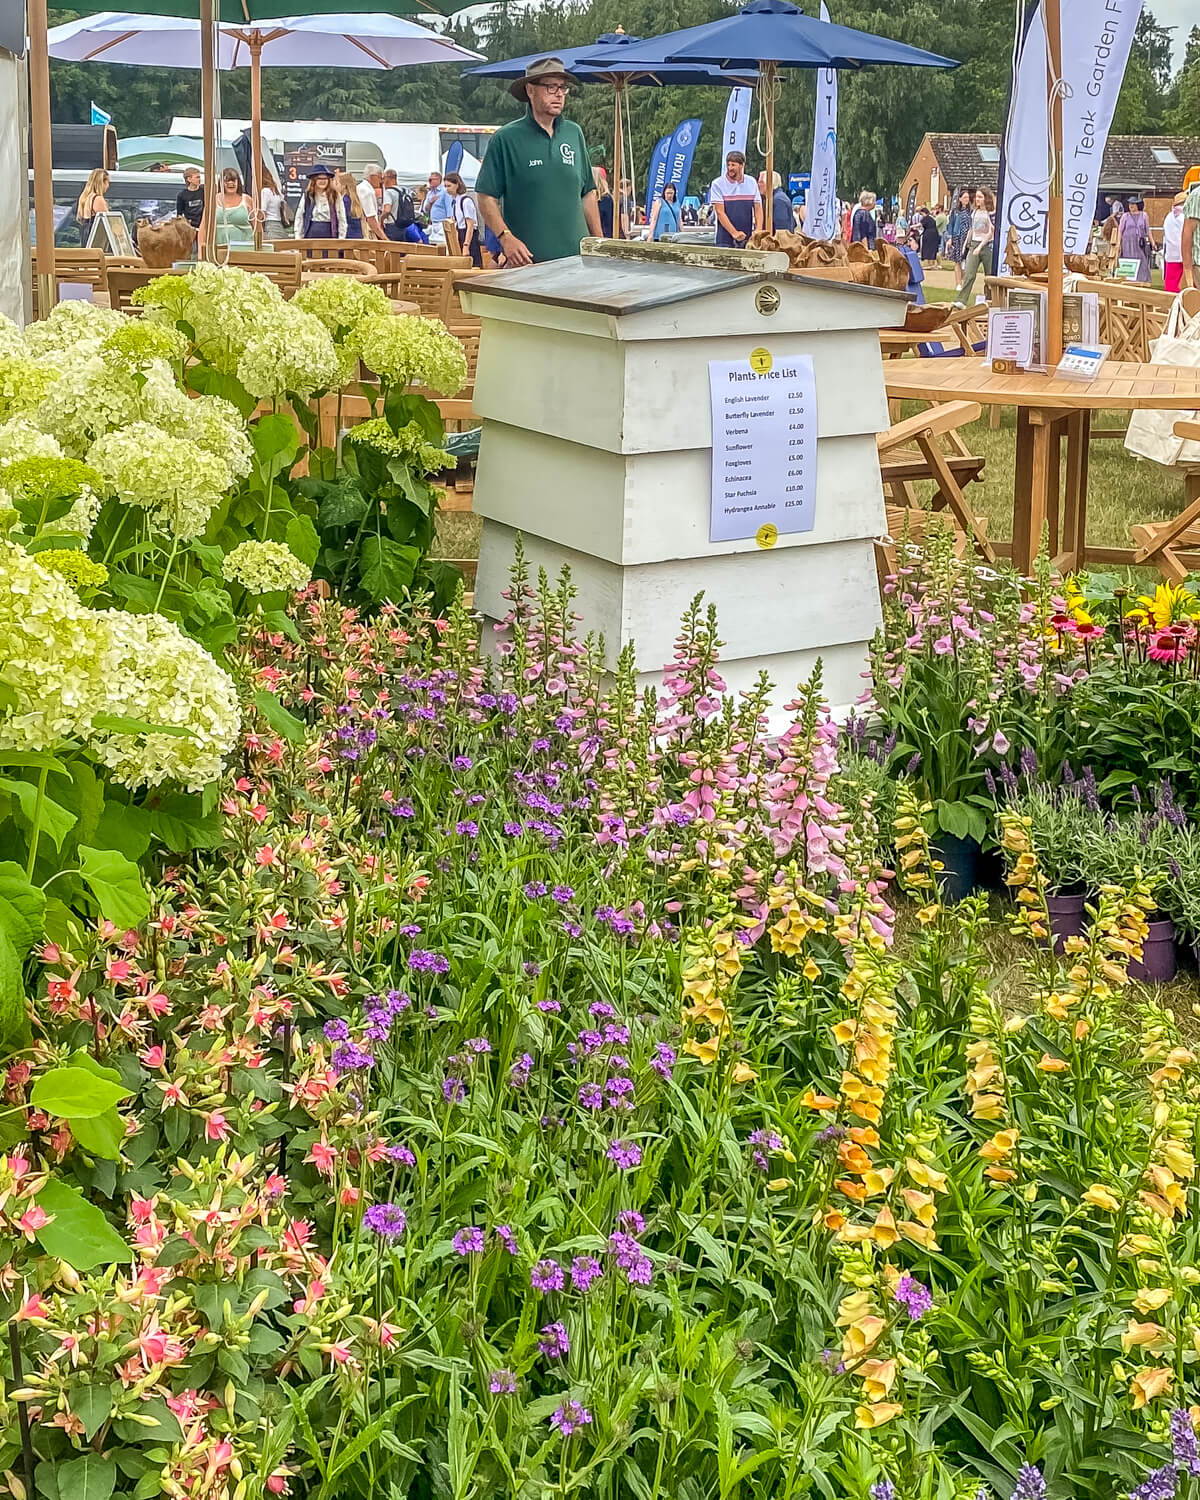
[333,203]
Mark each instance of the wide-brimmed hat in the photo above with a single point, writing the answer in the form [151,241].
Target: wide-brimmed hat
[545,67]
[322,169]
[1180,200]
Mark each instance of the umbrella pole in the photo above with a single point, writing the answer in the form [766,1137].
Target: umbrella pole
[256,133]
[1052,16]
[618,153]
[767,84]
[43,162]
[208,249]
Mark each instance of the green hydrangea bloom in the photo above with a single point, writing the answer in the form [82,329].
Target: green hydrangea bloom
[408,443]
[342,301]
[56,656]
[76,567]
[261,567]
[290,353]
[412,351]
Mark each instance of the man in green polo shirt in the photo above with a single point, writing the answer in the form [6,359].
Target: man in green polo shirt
[535,187]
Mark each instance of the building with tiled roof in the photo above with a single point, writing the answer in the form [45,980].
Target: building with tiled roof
[1152,165]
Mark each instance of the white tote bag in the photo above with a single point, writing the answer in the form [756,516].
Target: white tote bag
[1151,434]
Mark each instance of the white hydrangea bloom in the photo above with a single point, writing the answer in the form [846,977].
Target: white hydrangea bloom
[176,480]
[21,438]
[96,395]
[261,567]
[71,326]
[216,426]
[161,676]
[12,340]
[224,306]
[291,353]
[56,655]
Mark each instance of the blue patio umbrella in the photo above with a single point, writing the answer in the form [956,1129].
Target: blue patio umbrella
[618,74]
[771,34]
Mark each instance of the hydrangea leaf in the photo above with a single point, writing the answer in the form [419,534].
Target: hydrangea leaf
[14,1021]
[387,568]
[22,907]
[275,443]
[116,884]
[180,823]
[303,540]
[53,819]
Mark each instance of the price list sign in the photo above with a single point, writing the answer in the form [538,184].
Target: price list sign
[764,462]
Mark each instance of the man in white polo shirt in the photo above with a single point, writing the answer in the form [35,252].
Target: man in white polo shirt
[372,202]
[736,203]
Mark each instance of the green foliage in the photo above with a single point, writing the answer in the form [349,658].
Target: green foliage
[77,1232]
[376,518]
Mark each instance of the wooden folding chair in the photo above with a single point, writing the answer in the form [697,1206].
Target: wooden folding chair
[123,281]
[86,267]
[453,242]
[1162,544]
[428,281]
[910,454]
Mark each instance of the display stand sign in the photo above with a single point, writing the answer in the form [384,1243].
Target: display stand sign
[110,233]
[1127,270]
[764,456]
[1082,361]
[1010,335]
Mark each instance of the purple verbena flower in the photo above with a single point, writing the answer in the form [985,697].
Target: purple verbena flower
[913,1297]
[468,1241]
[386,1220]
[401,1154]
[584,1270]
[570,1417]
[663,1060]
[336,1030]
[554,1343]
[507,1238]
[626,1154]
[547,1276]
[423,962]
[502,1383]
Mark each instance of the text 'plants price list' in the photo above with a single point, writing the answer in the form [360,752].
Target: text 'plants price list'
[764,462]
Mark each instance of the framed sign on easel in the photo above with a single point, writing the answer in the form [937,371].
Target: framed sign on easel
[110,233]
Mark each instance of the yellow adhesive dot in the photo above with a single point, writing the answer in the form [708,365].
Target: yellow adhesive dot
[766,535]
[760,361]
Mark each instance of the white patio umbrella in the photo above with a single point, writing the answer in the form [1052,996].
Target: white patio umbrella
[328,41]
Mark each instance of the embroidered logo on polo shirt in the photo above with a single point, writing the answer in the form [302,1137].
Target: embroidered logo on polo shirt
[536,161]
[568,154]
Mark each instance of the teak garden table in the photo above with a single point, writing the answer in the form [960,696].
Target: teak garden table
[1049,409]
